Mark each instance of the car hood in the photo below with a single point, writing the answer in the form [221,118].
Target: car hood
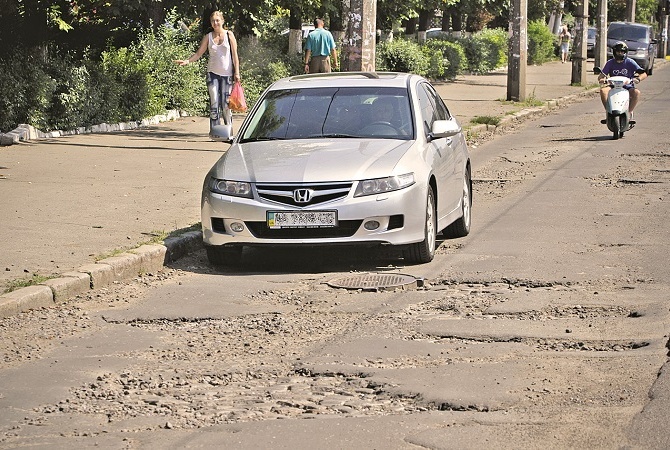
[311,160]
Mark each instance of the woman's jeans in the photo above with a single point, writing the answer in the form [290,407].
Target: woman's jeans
[219,90]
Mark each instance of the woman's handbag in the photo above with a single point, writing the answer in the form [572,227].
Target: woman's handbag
[236,101]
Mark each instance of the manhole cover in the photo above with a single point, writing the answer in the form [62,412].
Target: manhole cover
[376,281]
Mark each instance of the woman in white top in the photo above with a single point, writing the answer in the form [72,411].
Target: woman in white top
[223,68]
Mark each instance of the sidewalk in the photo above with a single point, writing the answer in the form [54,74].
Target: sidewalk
[69,201]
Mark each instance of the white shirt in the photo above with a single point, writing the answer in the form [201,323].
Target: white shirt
[220,57]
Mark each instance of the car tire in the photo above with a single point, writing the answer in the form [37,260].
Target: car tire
[424,251]
[223,256]
[461,227]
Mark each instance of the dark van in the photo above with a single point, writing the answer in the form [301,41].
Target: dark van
[640,40]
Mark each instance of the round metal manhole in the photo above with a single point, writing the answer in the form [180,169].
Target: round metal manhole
[376,281]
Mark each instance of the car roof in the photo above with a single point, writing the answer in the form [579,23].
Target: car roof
[347,79]
[630,24]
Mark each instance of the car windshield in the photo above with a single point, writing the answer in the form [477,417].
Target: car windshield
[592,33]
[356,112]
[627,33]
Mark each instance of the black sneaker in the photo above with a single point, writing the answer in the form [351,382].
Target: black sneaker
[604,121]
[631,122]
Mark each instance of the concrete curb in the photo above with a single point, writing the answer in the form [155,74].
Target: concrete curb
[27,132]
[144,259]
[527,113]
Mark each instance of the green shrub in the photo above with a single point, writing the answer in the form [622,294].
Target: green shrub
[454,60]
[261,66]
[170,86]
[541,43]
[68,106]
[25,90]
[124,85]
[497,40]
[401,55]
[485,51]
[436,62]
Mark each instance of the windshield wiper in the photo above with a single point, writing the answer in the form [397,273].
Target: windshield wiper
[261,138]
[337,135]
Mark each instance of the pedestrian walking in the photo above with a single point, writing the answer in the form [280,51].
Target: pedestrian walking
[320,46]
[564,37]
[223,68]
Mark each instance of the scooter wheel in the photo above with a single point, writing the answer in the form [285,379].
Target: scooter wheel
[616,127]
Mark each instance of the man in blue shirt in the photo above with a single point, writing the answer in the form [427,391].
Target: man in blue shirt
[623,66]
[318,49]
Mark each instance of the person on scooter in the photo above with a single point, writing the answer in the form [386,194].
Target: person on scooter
[622,65]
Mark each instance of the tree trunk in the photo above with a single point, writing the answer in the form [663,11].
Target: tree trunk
[295,32]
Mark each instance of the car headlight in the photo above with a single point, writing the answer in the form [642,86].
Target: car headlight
[228,187]
[381,185]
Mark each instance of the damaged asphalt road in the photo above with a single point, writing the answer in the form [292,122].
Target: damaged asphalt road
[545,328]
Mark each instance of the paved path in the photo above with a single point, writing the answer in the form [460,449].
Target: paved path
[66,201]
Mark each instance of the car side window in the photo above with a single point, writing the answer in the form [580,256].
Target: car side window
[432,107]
[440,108]
[427,109]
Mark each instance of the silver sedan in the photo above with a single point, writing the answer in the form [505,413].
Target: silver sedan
[358,158]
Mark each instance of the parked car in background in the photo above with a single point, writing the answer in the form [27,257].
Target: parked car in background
[306,29]
[591,42]
[358,158]
[640,40]
[436,33]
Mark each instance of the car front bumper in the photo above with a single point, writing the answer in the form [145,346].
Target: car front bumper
[401,215]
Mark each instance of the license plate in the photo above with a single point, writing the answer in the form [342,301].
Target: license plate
[301,219]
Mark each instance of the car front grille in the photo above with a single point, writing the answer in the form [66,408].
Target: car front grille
[345,228]
[303,194]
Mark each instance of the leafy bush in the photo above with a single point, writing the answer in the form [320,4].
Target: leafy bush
[260,66]
[485,51]
[454,60]
[25,90]
[497,40]
[400,55]
[170,86]
[541,43]
[124,86]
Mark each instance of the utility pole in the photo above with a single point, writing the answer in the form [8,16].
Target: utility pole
[579,52]
[358,49]
[663,41]
[630,10]
[601,35]
[517,59]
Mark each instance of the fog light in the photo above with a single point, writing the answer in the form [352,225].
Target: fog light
[237,227]
[371,225]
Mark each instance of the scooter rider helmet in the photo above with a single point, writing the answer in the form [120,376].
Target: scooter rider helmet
[620,51]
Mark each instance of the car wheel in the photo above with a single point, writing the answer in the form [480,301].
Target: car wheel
[223,256]
[461,227]
[424,251]
[651,68]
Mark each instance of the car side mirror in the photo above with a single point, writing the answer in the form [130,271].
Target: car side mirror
[444,128]
[223,133]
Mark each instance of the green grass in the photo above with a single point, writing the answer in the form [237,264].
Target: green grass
[25,282]
[156,237]
[487,120]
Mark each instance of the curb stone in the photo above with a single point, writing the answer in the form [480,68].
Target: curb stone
[26,132]
[144,259]
[527,113]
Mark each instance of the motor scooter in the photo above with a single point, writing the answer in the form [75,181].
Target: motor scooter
[618,99]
